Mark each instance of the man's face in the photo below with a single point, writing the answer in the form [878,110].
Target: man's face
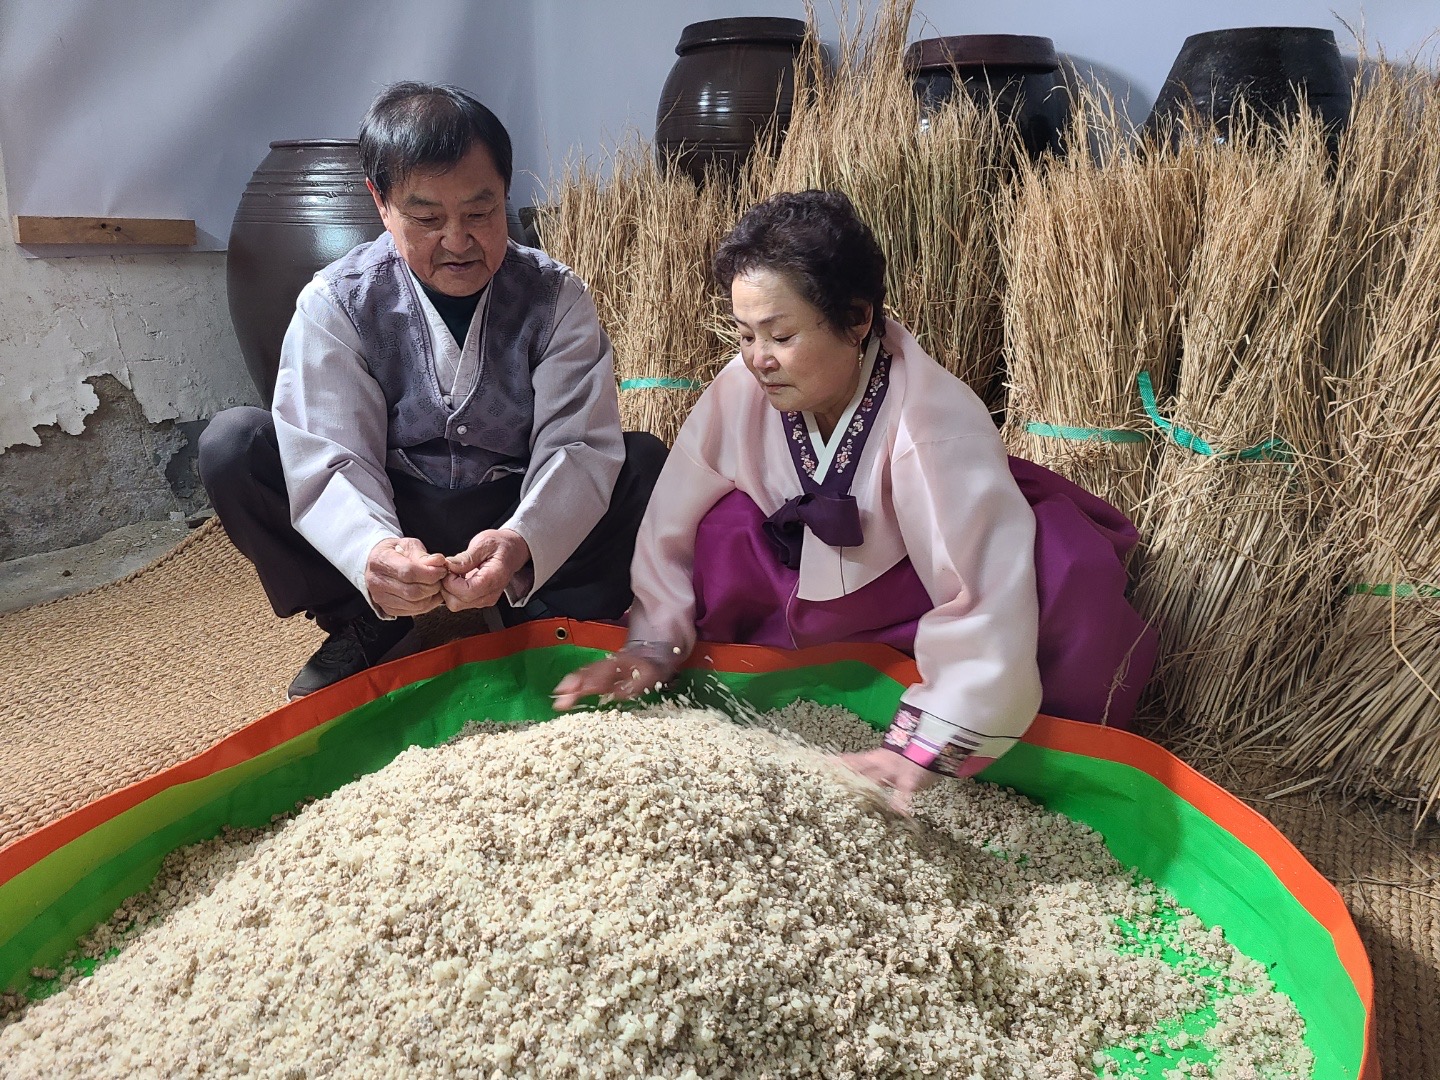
[450,226]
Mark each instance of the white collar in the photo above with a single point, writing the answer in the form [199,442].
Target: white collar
[825,452]
[450,358]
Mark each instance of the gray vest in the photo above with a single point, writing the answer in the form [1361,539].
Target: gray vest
[487,435]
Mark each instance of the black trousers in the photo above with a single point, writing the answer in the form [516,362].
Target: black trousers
[240,467]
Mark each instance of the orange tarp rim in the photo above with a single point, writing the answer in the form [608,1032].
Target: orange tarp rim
[1314,892]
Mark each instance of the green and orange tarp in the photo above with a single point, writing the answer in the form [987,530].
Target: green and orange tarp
[1214,854]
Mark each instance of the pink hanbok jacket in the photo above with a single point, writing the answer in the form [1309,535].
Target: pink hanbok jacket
[932,484]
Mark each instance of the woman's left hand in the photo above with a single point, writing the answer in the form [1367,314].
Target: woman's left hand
[898,775]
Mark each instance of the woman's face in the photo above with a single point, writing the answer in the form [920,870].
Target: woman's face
[800,361]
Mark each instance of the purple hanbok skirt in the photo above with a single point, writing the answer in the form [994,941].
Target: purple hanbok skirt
[1095,652]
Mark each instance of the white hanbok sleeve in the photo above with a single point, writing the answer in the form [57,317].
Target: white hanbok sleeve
[662,617]
[970,535]
[576,446]
[330,423]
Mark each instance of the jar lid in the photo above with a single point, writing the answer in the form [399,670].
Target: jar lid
[737,31]
[1020,52]
[1260,35]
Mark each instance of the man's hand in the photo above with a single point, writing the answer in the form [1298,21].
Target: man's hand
[478,575]
[403,578]
[898,775]
[619,676]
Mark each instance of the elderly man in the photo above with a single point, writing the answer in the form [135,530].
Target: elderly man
[445,427]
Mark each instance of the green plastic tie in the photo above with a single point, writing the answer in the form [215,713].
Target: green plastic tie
[1082,434]
[1275,449]
[660,384]
[1392,590]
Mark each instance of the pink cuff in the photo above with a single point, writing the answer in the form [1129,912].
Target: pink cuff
[949,759]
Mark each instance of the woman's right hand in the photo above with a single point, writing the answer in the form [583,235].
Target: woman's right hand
[620,676]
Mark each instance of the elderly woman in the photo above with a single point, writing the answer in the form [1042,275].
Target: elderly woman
[834,483]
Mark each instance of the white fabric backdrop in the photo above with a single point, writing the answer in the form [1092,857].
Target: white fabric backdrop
[162,108]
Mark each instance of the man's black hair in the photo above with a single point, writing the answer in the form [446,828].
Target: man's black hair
[423,127]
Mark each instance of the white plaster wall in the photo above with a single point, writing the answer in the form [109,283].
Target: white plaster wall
[177,103]
[161,108]
[157,323]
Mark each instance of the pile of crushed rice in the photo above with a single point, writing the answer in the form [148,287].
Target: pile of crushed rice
[658,893]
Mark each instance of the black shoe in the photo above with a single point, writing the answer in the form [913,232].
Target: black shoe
[359,644]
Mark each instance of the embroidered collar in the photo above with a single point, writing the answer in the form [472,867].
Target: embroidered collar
[825,506]
[831,465]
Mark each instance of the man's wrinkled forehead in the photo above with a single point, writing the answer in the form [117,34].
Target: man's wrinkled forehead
[486,196]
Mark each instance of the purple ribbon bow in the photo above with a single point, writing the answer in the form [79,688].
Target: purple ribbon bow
[826,507]
[834,519]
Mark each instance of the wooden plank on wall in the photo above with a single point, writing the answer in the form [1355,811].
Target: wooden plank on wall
[171,232]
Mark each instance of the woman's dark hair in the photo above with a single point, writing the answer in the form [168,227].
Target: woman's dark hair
[817,242]
[420,126]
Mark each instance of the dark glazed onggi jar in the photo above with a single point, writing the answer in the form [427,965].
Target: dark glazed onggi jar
[1019,73]
[732,77]
[305,206]
[1271,67]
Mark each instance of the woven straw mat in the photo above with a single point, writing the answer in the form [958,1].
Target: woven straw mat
[105,688]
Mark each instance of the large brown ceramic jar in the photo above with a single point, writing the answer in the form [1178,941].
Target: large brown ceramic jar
[1019,73]
[305,206]
[732,77]
[1264,65]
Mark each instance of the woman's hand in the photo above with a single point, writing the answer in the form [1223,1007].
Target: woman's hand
[620,676]
[897,774]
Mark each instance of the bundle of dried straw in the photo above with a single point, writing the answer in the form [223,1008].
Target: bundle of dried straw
[1096,249]
[1368,720]
[591,224]
[666,346]
[644,241]
[1386,159]
[1241,487]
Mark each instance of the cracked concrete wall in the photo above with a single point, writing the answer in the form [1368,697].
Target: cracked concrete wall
[149,336]
[122,469]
